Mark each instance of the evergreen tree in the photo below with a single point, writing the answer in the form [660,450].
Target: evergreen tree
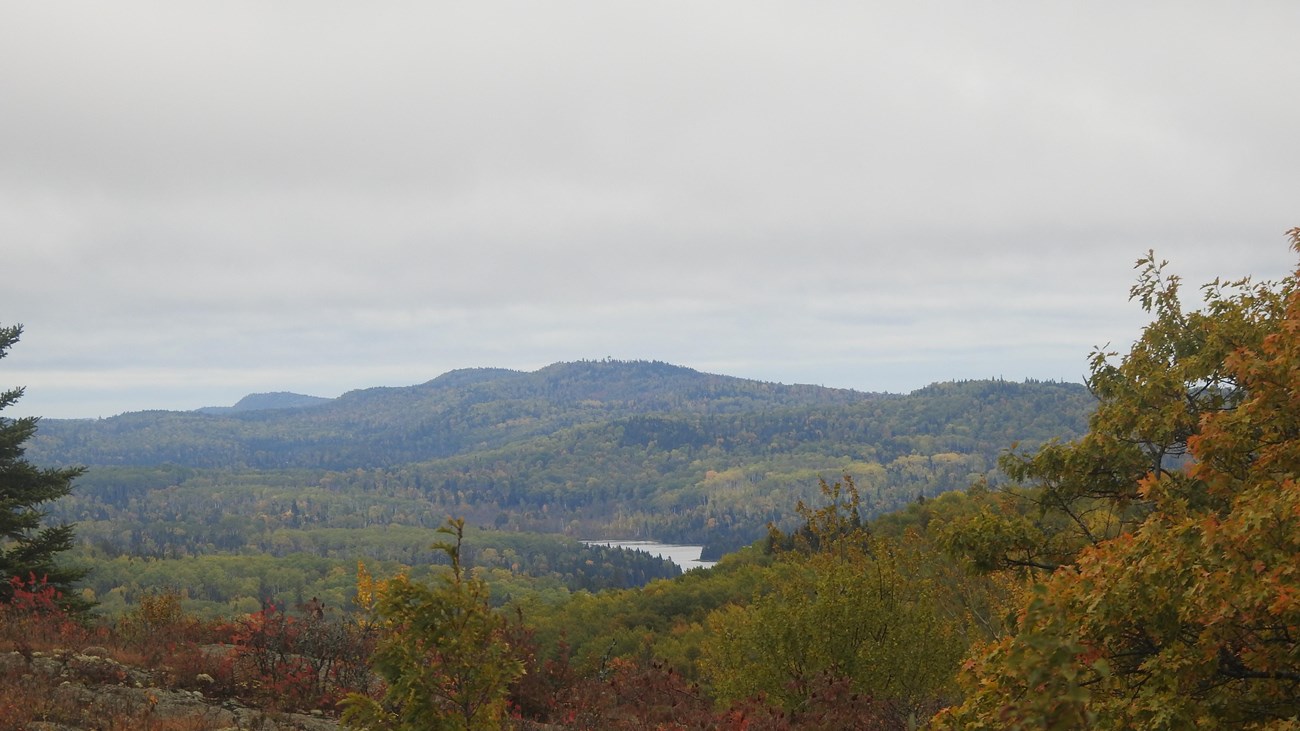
[28,550]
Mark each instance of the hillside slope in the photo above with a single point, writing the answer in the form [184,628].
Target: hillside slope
[629,450]
[456,413]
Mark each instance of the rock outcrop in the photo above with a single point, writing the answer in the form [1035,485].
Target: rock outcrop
[79,691]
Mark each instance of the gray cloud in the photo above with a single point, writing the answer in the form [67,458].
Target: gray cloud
[201,201]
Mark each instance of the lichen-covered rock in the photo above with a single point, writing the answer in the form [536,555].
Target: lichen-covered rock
[81,691]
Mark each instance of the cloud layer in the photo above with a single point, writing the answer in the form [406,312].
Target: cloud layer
[201,201]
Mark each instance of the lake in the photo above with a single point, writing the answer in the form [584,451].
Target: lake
[687,557]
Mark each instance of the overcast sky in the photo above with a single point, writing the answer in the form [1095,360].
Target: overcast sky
[204,200]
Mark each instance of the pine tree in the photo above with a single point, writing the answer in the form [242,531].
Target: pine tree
[28,550]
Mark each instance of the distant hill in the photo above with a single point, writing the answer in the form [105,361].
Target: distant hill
[267,401]
[457,412]
[594,448]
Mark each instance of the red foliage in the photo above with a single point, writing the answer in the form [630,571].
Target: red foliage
[34,595]
[299,663]
[33,617]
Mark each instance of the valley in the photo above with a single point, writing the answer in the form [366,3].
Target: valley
[532,461]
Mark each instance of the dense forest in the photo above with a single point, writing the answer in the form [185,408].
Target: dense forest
[984,555]
[634,450]
[628,450]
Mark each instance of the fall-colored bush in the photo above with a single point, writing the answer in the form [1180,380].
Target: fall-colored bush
[300,662]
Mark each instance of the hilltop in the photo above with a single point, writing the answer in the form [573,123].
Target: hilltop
[608,448]
[266,401]
[458,412]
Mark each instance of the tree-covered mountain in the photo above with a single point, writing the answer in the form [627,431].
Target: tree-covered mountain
[459,412]
[264,401]
[629,450]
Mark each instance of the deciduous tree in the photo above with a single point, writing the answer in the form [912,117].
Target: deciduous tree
[1149,403]
[443,653]
[1191,619]
[845,607]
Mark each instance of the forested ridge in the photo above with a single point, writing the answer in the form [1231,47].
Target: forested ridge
[656,452]
[579,450]
[459,412]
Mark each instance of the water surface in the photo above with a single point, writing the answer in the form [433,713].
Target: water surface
[687,557]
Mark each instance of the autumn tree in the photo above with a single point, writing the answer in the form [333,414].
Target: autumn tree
[1150,402]
[28,549]
[442,651]
[845,607]
[1189,616]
